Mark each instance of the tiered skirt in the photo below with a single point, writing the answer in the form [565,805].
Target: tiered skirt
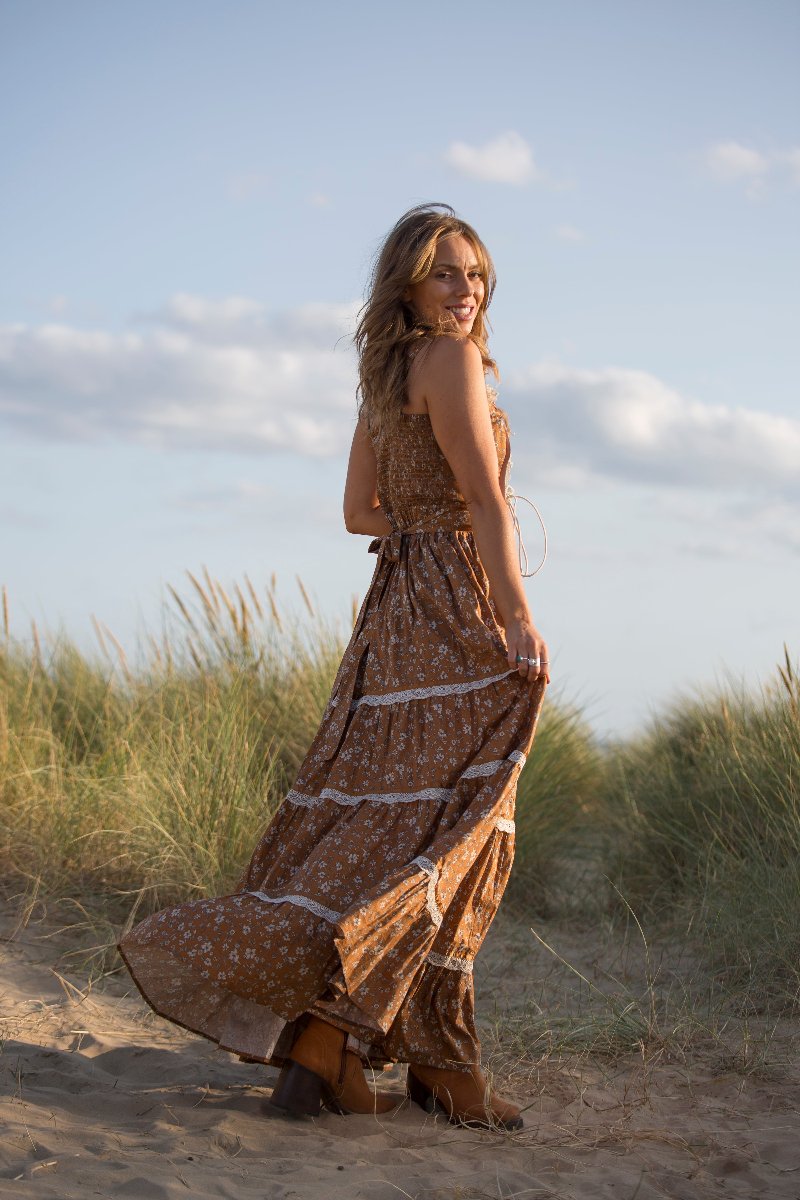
[374,885]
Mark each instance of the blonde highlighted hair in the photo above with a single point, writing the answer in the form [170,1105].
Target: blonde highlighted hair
[388,329]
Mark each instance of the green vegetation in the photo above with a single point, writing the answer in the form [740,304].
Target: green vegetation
[702,813]
[123,789]
[129,789]
[556,797]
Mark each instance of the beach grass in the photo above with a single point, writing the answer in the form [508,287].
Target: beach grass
[555,795]
[702,817]
[132,787]
[128,784]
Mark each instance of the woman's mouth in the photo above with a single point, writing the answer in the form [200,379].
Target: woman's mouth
[462,312]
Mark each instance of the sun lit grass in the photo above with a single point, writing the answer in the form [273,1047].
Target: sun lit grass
[556,791]
[125,786]
[152,784]
[703,821]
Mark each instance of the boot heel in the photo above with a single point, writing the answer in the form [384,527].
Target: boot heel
[299,1091]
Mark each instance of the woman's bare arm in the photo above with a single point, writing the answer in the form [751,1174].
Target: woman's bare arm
[362,510]
[454,386]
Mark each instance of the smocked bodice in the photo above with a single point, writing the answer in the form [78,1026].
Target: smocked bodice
[416,487]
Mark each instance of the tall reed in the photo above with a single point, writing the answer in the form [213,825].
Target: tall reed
[132,786]
[555,800]
[148,784]
[703,810]
[125,787]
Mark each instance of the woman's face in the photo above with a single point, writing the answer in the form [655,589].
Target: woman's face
[453,290]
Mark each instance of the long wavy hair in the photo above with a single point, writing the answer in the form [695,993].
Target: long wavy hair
[388,329]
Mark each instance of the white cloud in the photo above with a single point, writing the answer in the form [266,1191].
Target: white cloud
[224,374]
[627,425]
[505,159]
[569,233]
[248,185]
[188,311]
[726,526]
[791,160]
[14,517]
[213,507]
[200,373]
[242,494]
[732,162]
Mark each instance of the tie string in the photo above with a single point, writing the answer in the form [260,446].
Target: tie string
[511,500]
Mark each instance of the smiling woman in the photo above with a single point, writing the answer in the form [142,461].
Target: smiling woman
[453,287]
[433,276]
[351,936]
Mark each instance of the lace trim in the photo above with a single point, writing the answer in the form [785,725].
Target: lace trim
[328,914]
[451,962]
[347,798]
[489,768]
[432,871]
[506,826]
[319,910]
[373,797]
[302,801]
[442,689]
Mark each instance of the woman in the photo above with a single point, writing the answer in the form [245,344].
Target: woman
[351,935]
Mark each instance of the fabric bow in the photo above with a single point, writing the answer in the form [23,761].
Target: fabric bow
[388,546]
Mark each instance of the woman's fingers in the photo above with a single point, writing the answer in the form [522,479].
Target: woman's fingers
[520,658]
[531,661]
[544,661]
[527,651]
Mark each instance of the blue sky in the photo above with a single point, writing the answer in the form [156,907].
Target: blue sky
[191,194]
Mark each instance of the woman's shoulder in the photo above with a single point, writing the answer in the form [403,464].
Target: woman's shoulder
[446,349]
[435,361]
[443,357]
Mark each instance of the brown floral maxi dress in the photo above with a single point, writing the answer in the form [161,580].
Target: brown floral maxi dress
[375,883]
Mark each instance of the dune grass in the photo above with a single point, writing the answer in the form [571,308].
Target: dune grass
[137,787]
[124,788]
[556,792]
[702,820]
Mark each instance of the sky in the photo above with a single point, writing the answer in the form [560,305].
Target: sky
[191,195]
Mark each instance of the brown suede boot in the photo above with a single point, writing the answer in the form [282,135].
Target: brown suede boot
[323,1073]
[463,1096]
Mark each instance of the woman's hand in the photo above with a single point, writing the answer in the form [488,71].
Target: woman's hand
[525,642]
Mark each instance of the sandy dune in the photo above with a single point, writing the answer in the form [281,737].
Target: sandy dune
[100,1098]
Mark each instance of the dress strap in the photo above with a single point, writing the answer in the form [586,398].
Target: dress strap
[511,500]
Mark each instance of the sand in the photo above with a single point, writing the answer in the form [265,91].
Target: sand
[101,1098]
